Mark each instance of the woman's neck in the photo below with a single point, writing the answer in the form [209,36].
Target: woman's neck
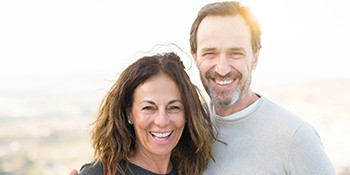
[153,163]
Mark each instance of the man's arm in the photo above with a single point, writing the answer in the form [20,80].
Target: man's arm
[307,155]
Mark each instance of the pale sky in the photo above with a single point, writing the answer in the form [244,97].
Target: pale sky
[79,38]
[44,37]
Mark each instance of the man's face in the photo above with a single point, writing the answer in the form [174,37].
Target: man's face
[225,58]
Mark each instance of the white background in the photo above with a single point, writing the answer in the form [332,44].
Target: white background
[58,58]
[44,37]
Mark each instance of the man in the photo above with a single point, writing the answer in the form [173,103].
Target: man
[261,137]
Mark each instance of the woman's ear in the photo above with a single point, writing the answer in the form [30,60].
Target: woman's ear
[130,119]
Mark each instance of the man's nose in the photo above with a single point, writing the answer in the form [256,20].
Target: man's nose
[222,66]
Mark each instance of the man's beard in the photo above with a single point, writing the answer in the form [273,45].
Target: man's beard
[227,98]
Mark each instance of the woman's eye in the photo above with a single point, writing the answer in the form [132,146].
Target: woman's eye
[175,108]
[147,108]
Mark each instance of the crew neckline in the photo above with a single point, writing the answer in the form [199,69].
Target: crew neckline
[238,115]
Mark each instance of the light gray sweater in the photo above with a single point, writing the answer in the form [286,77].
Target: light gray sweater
[268,140]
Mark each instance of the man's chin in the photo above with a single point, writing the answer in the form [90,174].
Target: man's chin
[225,103]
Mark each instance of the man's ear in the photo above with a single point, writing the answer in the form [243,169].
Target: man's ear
[255,60]
[194,56]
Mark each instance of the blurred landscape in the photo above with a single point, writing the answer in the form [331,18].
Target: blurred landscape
[45,120]
[57,57]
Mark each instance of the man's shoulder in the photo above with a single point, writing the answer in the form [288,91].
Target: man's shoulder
[271,108]
[283,119]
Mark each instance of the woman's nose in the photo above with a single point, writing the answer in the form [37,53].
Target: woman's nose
[161,119]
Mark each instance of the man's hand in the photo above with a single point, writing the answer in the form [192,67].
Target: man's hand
[73,172]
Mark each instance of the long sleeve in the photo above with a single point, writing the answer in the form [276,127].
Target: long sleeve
[307,155]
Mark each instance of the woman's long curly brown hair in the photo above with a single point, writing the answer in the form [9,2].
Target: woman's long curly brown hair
[114,139]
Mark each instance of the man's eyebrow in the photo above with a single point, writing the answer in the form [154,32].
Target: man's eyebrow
[208,49]
[235,49]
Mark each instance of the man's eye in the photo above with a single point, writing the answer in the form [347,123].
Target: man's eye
[208,53]
[236,53]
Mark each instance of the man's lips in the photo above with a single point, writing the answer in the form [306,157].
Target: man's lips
[223,82]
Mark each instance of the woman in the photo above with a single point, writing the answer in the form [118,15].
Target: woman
[152,122]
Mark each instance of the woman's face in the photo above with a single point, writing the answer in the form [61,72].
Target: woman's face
[158,116]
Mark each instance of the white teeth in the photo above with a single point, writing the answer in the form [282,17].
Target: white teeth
[161,135]
[224,82]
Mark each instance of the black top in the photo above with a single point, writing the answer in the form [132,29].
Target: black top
[89,169]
